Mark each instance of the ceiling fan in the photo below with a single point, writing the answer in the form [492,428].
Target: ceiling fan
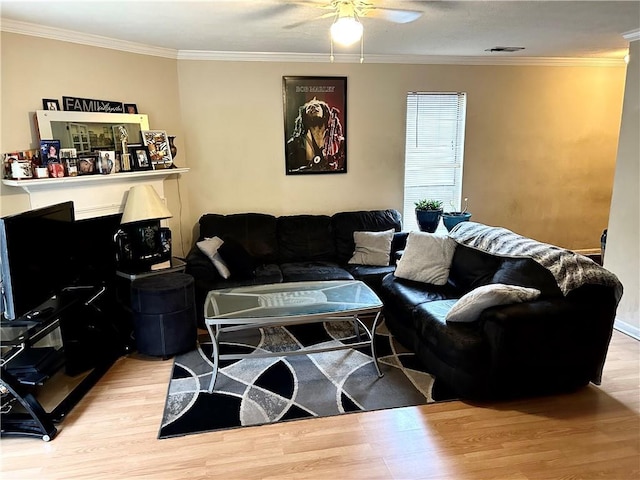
[346,28]
[356,9]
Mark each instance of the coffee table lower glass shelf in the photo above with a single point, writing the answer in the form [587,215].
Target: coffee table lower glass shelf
[296,303]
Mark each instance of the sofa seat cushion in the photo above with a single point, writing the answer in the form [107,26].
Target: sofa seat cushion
[305,238]
[402,296]
[458,345]
[313,271]
[264,274]
[371,275]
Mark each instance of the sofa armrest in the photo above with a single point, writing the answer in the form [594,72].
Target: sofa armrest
[556,336]
[200,267]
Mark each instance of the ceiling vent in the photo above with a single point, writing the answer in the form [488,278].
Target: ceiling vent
[504,49]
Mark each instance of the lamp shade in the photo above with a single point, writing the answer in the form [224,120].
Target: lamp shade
[143,203]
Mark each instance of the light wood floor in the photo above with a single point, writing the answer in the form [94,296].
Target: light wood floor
[112,434]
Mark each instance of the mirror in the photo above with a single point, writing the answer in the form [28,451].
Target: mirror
[90,131]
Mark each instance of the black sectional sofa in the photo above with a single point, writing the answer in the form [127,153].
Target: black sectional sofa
[555,343]
[292,248]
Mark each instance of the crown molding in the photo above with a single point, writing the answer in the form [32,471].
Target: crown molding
[53,33]
[632,35]
[399,59]
[25,28]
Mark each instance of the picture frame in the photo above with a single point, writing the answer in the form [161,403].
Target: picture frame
[87,164]
[17,168]
[50,104]
[158,148]
[139,157]
[120,132]
[49,151]
[130,108]
[106,162]
[68,153]
[315,125]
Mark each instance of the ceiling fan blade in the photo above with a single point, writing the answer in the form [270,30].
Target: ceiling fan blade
[302,22]
[269,11]
[393,15]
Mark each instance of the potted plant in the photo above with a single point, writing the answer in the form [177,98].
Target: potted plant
[451,219]
[428,213]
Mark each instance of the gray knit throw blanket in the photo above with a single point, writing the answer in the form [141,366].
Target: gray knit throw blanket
[571,270]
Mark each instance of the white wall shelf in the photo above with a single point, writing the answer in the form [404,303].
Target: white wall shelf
[92,195]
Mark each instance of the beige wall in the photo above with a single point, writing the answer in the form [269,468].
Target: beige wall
[540,141]
[36,68]
[623,237]
[539,154]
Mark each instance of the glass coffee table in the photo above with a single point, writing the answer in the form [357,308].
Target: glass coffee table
[295,303]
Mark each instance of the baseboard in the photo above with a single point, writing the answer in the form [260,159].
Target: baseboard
[627,329]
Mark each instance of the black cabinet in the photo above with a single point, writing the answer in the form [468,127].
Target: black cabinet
[53,356]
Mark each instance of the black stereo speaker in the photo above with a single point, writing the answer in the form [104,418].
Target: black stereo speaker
[142,245]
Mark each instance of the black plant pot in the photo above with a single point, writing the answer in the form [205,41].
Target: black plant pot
[428,220]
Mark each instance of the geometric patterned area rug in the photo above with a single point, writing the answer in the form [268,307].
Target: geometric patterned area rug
[257,391]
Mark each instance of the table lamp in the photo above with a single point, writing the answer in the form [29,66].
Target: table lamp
[141,243]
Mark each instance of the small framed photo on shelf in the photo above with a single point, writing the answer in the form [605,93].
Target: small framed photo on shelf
[87,164]
[71,166]
[157,143]
[120,137]
[68,153]
[106,161]
[50,151]
[56,169]
[139,157]
[130,108]
[17,168]
[50,104]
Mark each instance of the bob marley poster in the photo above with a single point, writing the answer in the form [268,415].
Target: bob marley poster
[315,124]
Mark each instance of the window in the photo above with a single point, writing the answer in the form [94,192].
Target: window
[434,151]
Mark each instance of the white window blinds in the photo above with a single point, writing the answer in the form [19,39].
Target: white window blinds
[434,151]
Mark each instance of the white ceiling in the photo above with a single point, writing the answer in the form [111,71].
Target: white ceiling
[560,29]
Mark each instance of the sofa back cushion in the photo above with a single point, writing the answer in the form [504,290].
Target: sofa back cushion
[471,268]
[305,238]
[256,232]
[345,223]
[526,272]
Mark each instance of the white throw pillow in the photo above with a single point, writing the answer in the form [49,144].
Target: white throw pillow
[372,248]
[426,258]
[471,305]
[210,246]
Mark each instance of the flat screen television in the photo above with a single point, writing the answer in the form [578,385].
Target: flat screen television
[44,251]
[35,255]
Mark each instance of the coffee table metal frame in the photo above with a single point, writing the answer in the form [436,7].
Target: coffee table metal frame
[220,323]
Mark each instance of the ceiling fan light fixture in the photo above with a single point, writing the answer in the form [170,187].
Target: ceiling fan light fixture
[346,30]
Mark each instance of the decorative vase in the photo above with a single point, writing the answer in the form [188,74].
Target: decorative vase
[428,220]
[451,219]
[172,147]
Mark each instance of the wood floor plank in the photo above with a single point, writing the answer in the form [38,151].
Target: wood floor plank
[112,434]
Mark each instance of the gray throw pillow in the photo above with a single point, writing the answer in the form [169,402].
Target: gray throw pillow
[372,248]
[210,247]
[426,258]
[471,305]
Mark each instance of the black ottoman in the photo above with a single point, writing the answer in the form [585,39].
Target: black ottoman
[164,314]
